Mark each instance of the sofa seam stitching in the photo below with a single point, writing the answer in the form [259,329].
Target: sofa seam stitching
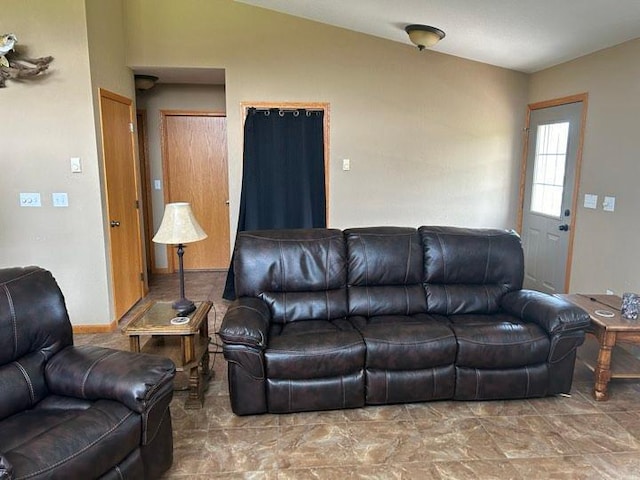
[90,369]
[12,310]
[27,380]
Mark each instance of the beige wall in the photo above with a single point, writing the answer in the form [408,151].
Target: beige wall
[433,139]
[45,122]
[192,98]
[606,245]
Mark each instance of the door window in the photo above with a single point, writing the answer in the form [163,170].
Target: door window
[549,169]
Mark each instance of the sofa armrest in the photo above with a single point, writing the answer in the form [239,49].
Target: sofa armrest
[554,314]
[137,380]
[246,323]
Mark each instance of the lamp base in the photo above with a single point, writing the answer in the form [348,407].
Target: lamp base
[183,306]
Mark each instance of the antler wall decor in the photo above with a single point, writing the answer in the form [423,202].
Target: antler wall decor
[12,66]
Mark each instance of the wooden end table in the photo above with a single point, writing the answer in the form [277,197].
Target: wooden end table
[186,344]
[608,331]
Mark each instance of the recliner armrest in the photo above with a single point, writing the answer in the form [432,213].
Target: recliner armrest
[554,314]
[246,323]
[137,380]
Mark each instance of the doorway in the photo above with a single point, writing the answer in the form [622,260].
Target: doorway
[121,187]
[194,152]
[549,191]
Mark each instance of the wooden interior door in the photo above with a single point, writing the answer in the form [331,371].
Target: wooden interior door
[118,146]
[195,171]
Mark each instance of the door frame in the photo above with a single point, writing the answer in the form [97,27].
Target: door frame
[171,260]
[580,97]
[145,182]
[324,106]
[106,94]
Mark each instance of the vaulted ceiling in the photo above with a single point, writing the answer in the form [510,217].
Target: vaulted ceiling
[521,35]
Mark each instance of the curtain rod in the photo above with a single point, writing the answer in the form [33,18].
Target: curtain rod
[266,111]
[285,109]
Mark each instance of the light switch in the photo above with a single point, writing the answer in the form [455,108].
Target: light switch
[30,200]
[157,185]
[609,204]
[346,164]
[60,199]
[590,201]
[76,164]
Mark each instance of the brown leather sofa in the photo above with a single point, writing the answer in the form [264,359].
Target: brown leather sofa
[70,412]
[327,319]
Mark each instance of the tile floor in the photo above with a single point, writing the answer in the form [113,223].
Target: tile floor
[548,438]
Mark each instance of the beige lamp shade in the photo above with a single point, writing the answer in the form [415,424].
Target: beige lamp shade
[179,225]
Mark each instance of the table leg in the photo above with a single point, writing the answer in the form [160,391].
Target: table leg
[607,341]
[134,343]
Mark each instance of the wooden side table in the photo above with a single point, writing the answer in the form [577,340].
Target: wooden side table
[187,344]
[608,327]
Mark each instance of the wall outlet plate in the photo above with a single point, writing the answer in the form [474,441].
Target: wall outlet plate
[30,200]
[609,204]
[60,199]
[590,200]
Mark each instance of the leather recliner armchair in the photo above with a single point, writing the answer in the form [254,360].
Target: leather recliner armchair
[74,412]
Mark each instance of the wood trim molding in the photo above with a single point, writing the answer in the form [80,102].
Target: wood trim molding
[584,99]
[101,328]
[244,106]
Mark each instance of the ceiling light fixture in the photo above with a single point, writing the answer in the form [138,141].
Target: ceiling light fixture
[145,82]
[424,36]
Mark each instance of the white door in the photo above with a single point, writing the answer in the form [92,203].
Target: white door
[549,195]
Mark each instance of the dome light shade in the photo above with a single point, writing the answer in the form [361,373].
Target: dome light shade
[424,36]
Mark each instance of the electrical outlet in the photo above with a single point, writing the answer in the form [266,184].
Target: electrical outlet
[30,200]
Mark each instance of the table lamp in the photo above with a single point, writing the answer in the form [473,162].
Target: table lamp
[179,226]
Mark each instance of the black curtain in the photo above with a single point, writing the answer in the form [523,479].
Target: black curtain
[283,177]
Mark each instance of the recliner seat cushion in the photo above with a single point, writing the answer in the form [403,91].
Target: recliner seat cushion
[309,349]
[409,358]
[397,342]
[498,341]
[80,442]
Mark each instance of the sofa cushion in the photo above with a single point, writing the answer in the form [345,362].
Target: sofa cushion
[469,270]
[82,440]
[402,342]
[498,341]
[384,271]
[410,358]
[314,349]
[300,274]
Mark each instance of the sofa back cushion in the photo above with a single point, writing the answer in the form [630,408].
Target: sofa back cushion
[300,273]
[469,270]
[384,271]
[34,326]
